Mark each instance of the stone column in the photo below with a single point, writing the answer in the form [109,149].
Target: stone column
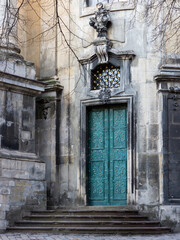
[48,136]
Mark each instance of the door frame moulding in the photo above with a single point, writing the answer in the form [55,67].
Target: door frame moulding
[168,85]
[129,100]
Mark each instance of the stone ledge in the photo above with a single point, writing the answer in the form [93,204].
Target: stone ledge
[16,83]
[25,170]
[119,55]
[168,72]
[17,155]
[13,62]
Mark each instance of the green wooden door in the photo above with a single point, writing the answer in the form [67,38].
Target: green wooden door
[107,156]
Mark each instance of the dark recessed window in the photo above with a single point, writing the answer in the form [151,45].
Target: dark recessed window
[105,76]
[94,2]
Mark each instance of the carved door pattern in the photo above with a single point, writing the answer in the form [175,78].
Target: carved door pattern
[107,156]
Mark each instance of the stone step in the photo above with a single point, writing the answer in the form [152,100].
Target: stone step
[96,208]
[94,220]
[54,217]
[86,211]
[94,230]
[87,223]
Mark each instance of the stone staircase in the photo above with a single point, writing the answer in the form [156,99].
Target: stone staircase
[96,220]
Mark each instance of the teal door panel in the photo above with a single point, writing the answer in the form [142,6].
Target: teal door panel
[107,156]
[98,158]
[118,156]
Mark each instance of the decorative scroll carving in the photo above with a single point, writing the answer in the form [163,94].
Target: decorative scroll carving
[104,95]
[102,45]
[100,22]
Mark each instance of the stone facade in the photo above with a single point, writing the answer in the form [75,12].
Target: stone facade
[149,81]
[22,174]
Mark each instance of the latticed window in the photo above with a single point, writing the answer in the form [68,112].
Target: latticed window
[94,2]
[105,76]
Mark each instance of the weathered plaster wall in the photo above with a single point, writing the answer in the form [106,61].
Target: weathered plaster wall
[71,76]
[143,68]
[147,102]
[29,33]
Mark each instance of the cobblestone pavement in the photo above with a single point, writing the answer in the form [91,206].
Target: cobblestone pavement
[41,236]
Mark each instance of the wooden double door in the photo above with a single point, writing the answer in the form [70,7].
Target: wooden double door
[107,156]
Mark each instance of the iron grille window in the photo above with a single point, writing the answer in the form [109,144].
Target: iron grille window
[106,76]
[94,2]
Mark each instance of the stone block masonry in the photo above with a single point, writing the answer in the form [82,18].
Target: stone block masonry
[22,175]
[22,187]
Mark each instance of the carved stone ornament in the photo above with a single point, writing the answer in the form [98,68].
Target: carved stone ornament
[104,95]
[101,47]
[175,90]
[101,22]
[44,106]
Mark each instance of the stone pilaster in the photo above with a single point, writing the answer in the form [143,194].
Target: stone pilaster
[48,135]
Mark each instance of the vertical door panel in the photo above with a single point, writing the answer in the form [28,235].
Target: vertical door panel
[174,151]
[118,156]
[98,157]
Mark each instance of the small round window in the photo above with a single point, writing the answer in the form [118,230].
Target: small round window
[105,76]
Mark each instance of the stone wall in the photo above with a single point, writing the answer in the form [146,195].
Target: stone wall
[22,174]
[22,188]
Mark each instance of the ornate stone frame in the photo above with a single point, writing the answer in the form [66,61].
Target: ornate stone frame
[168,84]
[114,91]
[131,145]
[124,94]
[118,59]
